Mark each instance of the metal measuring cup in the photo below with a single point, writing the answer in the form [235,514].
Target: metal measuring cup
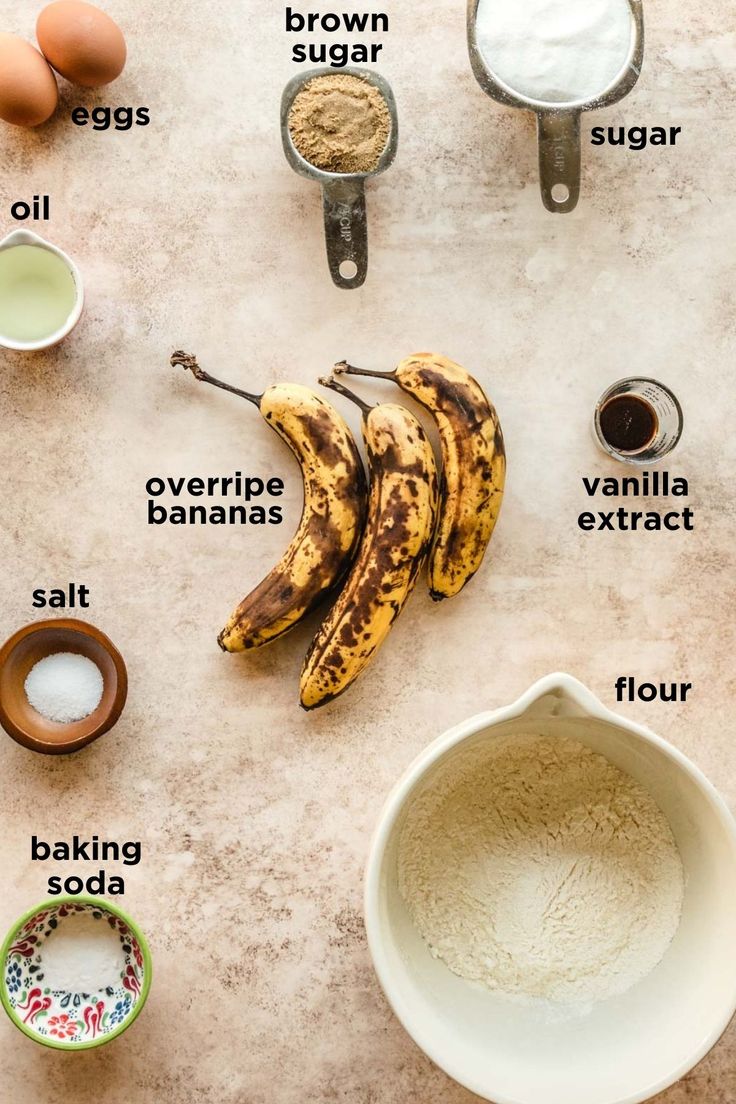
[343,194]
[558,124]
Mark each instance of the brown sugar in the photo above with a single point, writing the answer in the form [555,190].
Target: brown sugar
[340,124]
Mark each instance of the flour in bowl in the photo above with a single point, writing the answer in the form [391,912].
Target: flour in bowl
[537,868]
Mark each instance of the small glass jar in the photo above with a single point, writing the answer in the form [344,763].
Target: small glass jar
[638,421]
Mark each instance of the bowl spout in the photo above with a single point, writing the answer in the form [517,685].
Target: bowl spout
[21,237]
[560,695]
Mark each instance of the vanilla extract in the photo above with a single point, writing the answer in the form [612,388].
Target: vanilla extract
[638,421]
[650,484]
[628,423]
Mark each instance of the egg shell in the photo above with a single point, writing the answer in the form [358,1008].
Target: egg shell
[81,42]
[28,89]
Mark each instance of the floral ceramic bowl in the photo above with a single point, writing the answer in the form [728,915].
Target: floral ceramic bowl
[57,1012]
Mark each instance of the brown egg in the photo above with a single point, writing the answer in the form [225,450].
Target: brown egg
[28,91]
[81,42]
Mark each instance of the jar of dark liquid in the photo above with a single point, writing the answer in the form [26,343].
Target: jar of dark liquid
[638,421]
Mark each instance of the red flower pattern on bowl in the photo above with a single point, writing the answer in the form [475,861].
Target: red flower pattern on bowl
[63,1026]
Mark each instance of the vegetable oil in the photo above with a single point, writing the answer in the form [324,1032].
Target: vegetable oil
[37,293]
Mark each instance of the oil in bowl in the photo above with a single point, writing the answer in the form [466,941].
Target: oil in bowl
[40,293]
[37,293]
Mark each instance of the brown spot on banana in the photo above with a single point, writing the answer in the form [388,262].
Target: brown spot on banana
[395,543]
[473,464]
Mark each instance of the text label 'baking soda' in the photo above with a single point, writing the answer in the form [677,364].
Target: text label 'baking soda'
[92,850]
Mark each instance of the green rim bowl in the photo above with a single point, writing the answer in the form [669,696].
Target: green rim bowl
[70,1020]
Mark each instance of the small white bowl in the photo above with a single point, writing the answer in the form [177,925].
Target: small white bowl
[27,237]
[624,1050]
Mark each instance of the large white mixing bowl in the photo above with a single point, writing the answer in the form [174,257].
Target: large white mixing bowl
[626,1049]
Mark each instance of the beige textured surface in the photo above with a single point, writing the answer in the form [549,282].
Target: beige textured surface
[255,818]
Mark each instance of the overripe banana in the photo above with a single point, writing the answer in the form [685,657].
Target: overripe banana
[335,501]
[473,463]
[396,539]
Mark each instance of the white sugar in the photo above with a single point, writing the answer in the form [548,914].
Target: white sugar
[556,51]
[64,687]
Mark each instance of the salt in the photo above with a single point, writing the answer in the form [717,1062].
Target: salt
[64,687]
[83,955]
[556,51]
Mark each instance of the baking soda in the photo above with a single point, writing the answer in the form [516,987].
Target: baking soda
[555,51]
[83,955]
[64,687]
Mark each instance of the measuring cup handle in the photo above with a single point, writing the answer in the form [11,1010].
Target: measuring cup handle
[346,232]
[559,159]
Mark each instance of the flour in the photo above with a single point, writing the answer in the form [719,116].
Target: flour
[83,955]
[555,50]
[537,868]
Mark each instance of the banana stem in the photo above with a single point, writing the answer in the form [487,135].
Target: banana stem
[187,361]
[351,370]
[335,385]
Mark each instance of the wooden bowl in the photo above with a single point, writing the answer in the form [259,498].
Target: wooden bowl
[37,641]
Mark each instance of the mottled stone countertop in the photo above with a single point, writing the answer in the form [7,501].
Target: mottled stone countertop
[193,232]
